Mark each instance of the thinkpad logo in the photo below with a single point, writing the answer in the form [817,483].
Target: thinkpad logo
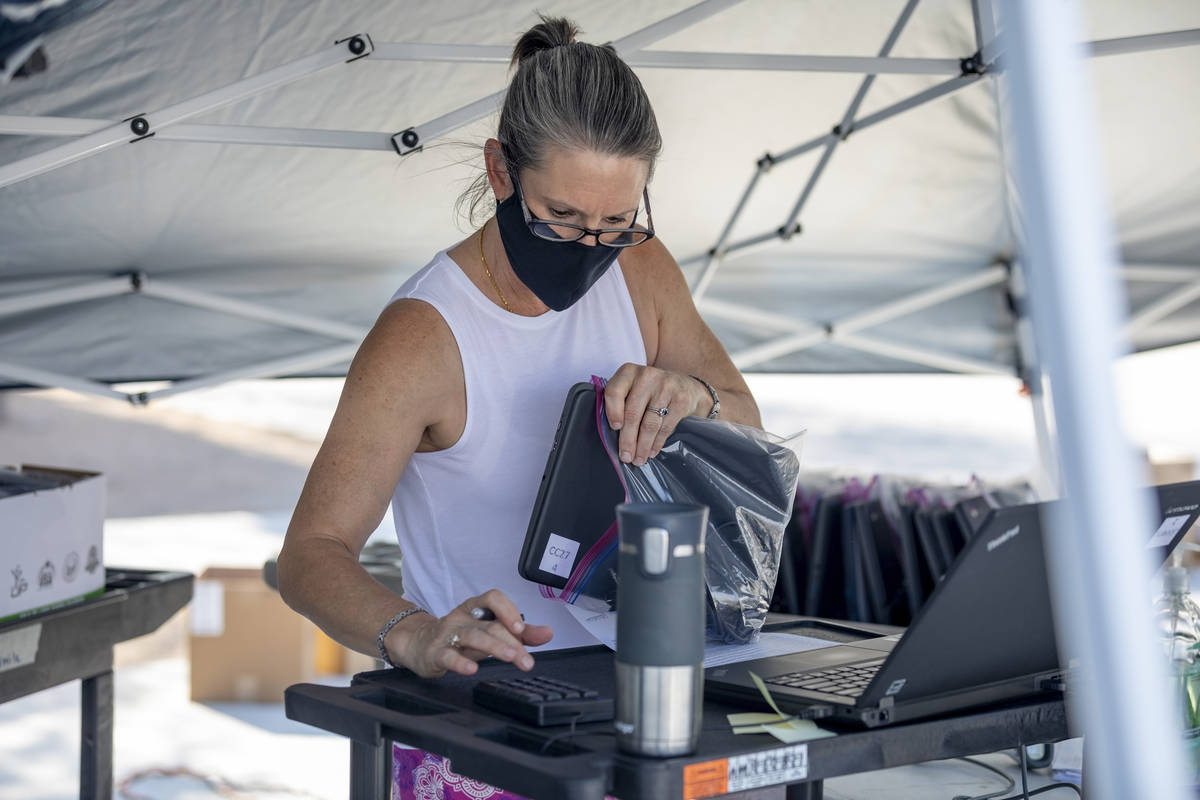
[1004,537]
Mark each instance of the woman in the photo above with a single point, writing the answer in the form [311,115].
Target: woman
[450,406]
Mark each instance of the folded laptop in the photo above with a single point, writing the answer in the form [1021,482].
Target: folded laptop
[824,598]
[985,635]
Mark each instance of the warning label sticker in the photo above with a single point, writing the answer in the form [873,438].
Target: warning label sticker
[783,765]
[708,779]
[749,771]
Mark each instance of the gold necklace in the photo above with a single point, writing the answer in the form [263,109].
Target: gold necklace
[491,278]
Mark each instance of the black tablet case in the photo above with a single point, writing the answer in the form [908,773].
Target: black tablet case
[580,490]
[576,500]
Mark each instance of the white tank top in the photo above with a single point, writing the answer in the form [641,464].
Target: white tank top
[461,513]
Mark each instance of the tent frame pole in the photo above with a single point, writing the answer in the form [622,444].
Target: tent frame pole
[715,255]
[139,283]
[1153,273]
[1033,376]
[933,93]
[50,380]
[754,317]
[213,134]
[921,356]
[289,365]
[413,138]
[846,125]
[302,322]
[51,298]
[806,335]
[145,126]
[674,59]
[1163,307]
[1099,568]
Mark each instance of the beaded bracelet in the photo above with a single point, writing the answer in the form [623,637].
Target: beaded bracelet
[388,626]
[716,408]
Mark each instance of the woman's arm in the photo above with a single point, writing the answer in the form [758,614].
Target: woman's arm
[398,388]
[679,345]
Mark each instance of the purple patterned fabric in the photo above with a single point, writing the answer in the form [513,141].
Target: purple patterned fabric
[418,775]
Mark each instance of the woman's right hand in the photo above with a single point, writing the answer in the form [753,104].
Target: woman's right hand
[455,642]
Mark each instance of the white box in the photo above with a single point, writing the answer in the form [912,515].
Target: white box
[51,541]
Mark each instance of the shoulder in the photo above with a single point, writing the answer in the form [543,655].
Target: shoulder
[651,262]
[407,359]
[653,275]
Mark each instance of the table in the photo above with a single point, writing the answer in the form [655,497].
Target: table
[76,642]
[394,705]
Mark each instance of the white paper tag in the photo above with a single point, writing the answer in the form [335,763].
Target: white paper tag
[1166,532]
[559,556]
[19,647]
[782,765]
[208,608]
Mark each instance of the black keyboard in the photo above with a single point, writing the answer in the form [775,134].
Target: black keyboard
[543,701]
[848,680]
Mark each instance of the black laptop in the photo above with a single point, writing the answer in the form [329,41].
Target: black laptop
[985,635]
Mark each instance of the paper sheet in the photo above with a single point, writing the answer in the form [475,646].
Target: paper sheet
[603,625]
[768,644]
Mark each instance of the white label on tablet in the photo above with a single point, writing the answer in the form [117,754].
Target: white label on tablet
[559,556]
[1166,532]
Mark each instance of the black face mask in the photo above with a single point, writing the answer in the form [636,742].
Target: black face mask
[558,273]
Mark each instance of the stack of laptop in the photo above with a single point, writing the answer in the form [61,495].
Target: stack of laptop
[984,635]
[873,550]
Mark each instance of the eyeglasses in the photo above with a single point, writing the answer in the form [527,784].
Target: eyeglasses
[567,232]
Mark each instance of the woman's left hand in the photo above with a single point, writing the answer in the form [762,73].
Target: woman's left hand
[634,401]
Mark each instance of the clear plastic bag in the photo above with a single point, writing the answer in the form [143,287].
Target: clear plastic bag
[747,478]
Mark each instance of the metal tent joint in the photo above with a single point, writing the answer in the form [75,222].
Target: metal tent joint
[140,126]
[973,64]
[842,132]
[406,141]
[359,45]
[785,233]
[766,162]
[137,280]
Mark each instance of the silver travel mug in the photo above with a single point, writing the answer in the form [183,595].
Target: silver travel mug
[660,627]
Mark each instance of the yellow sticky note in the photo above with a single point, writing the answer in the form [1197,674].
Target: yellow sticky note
[762,688]
[797,730]
[788,731]
[751,718]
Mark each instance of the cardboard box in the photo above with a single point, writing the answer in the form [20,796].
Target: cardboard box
[51,539]
[246,645]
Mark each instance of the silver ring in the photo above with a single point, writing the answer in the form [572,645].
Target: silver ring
[662,412]
[453,640]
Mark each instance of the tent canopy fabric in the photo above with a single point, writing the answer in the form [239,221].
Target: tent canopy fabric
[185,255]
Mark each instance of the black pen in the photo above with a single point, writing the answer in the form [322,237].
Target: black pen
[485,614]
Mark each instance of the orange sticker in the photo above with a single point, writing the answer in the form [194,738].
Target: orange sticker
[707,779]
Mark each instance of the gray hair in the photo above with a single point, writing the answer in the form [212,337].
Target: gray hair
[572,95]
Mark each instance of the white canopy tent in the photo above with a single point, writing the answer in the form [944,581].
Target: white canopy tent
[159,243]
[212,192]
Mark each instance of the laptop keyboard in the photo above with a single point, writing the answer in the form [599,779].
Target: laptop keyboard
[848,680]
